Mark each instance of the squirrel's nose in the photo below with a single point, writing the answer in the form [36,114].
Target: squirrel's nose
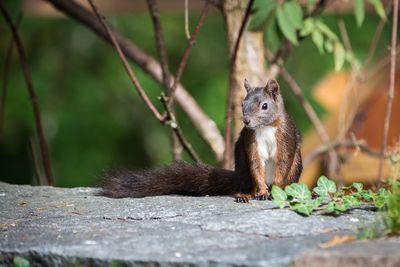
[246,121]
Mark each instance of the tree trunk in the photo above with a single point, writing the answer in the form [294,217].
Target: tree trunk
[249,64]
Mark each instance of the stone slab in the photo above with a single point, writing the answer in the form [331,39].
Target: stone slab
[65,227]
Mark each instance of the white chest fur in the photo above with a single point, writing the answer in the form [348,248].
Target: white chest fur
[266,143]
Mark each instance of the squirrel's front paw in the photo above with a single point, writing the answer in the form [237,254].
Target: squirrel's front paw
[243,198]
[262,195]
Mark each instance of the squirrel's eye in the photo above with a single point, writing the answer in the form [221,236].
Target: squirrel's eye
[264,106]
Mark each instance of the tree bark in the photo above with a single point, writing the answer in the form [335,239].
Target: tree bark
[249,64]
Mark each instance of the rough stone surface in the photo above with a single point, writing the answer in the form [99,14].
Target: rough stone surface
[377,253]
[64,227]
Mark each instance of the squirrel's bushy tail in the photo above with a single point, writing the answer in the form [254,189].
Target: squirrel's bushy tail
[179,178]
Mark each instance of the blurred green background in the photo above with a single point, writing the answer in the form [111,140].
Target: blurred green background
[92,116]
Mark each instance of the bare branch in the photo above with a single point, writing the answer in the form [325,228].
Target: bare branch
[312,115]
[128,69]
[357,76]
[32,96]
[227,161]
[344,35]
[390,97]
[4,87]
[166,75]
[155,17]
[376,38]
[356,144]
[187,32]
[216,3]
[206,127]
[6,68]
[171,120]
[182,65]
[188,49]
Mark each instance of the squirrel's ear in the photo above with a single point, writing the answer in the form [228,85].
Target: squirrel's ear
[247,86]
[272,88]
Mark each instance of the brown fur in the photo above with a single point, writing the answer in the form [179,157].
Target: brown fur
[179,178]
[289,166]
[248,163]
[248,179]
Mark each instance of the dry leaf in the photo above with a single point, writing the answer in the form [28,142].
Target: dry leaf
[338,240]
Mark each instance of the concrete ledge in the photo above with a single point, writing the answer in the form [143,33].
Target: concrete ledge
[58,227]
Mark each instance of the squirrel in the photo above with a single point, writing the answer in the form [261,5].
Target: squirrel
[267,152]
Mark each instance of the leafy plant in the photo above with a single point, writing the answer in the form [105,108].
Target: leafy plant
[391,216]
[288,19]
[328,199]
[20,262]
[359,10]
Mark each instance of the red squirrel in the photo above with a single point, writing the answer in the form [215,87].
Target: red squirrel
[266,153]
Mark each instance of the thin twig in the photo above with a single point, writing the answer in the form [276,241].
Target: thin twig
[357,144]
[355,73]
[32,96]
[186,53]
[166,74]
[205,126]
[312,115]
[227,161]
[357,77]
[4,87]
[376,38]
[191,41]
[171,120]
[162,52]
[215,3]
[187,31]
[390,97]
[128,69]
[293,85]
[6,69]
[344,35]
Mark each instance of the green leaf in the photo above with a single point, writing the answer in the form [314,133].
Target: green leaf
[326,30]
[279,197]
[294,12]
[339,55]
[380,200]
[272,37]
[367,195]
[298,191]
[358,186]
[359,11]
[261,10]
[350,201]
[306,207]
[318,40]
[20,262]
[308,27]
[335,208]
[286,27]
[379,8]
[325,187]
[328,46]
[330,208]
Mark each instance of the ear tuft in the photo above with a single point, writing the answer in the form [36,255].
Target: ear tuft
[272,88]
[247,86]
